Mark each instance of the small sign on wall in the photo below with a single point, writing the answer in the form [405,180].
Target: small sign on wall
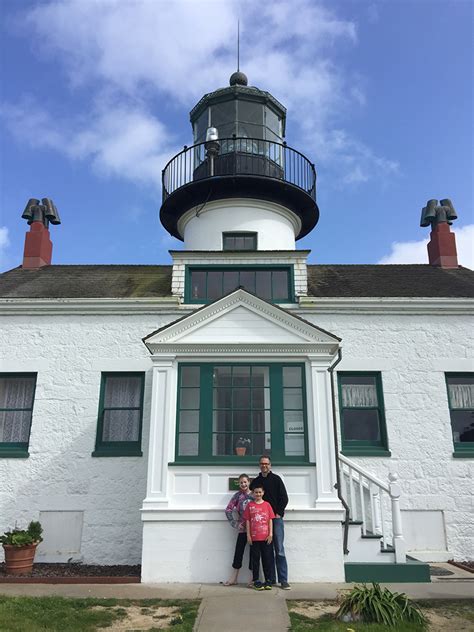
[234,484]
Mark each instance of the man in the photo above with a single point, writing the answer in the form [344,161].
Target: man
[275,494]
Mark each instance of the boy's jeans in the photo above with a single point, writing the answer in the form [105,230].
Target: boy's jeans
[279,551]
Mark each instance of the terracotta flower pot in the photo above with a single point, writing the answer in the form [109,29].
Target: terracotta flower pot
[19,559]
[240,451]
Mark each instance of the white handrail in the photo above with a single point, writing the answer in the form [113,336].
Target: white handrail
[371,494]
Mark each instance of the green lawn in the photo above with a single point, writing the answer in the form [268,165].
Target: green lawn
[57,614]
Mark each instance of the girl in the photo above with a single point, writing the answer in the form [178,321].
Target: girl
[234,512]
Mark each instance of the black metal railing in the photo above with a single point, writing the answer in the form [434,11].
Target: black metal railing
[239,157]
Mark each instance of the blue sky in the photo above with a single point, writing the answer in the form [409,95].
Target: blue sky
[96,96]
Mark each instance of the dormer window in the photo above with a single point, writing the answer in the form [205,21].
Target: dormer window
[205,284]
[239,241]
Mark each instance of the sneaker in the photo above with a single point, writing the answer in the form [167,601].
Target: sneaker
[258,586]
[268,586]
[285,586]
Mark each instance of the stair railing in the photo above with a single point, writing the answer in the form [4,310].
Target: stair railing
[369,499]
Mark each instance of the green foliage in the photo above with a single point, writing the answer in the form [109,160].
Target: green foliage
[374,604]
[59,614]
[23,537]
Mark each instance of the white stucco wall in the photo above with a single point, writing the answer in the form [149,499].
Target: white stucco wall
[276,226]
[70,351]
[413,353]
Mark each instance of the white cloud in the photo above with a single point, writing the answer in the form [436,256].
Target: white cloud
[172,52]
[123,140]
[4,243]
[415,251]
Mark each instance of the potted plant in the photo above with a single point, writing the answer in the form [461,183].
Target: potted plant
[20,548]
[241,446]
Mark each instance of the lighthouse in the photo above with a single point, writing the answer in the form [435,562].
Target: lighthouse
[239,186]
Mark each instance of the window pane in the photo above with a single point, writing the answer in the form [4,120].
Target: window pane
[250,242]
[214,284]
[294,421]
[250,112]
[241,398]
[242,421]
[222,375]
[222,398]
[222,420]
[241,376]
[292,398]
[258,421]
[231,280]
[462,422]
[247,280]
[359,392]
[261,398]
[189,421]
[291,376]
[15,426]
[188,445]
[461,392]
[264,284]
[190,375]
[200,127]
[222,445]
[121,425]
[222,113]
[189,398]
[294,445]
[280,284]
[122,391]
[17,392]
[260,376]
[198,284]
[272,121]
[361,425]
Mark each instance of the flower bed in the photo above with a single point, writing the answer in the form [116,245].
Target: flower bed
[75,574]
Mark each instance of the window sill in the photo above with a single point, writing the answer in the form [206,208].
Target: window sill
[14,453]
[366,452]
[464,454]
[107,452]
[250,462]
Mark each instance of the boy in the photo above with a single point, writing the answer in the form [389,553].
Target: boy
[258,516]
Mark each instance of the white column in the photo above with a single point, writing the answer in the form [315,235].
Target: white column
[162,425]
[327,498]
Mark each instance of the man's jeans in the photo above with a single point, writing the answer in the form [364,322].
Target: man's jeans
[279,551]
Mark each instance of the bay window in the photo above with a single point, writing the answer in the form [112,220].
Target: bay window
[240,411]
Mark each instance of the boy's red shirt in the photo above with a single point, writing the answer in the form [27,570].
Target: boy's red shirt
[259,516]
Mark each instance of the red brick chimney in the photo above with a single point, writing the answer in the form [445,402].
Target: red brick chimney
[38,245]
[442,245]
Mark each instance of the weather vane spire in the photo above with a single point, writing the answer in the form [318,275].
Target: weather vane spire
[238,45]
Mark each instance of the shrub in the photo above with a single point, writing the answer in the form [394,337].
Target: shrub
[373,604]
[23,537]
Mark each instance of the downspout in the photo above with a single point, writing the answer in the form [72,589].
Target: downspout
[336,449]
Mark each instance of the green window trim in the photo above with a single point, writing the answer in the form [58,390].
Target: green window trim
[206,269]
[462,449]
[230,241]
[205,412]
[18,449]
[105,448]
[363,447]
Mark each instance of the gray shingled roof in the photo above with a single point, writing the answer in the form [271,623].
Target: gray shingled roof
[145,281]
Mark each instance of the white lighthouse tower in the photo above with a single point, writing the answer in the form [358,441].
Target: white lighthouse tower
[239,375]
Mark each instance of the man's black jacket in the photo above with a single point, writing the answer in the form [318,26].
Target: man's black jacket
[275,491]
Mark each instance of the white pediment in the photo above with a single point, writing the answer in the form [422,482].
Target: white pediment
[240,319]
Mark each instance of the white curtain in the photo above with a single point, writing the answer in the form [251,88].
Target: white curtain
[122,425]
[358,395]
[461,395]
[15,393]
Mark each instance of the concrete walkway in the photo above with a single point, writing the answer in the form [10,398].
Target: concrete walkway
[222,607]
